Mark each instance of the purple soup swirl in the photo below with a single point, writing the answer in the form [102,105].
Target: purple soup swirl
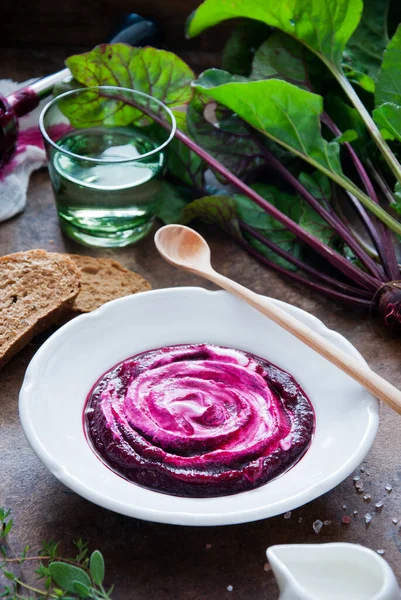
[198,420]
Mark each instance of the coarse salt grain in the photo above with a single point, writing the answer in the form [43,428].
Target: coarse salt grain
[317,526]
[395,521]
[388,488]
[356,478]
[344,507]
[327,522]
[359,487]
[379,506]
[287,515]
[367,498]
[267,567]
[230,588]
[381,551]
[368,518]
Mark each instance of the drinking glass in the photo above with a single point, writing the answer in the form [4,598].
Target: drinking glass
[106,158]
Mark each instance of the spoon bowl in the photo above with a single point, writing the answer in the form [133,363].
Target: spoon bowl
[183,247]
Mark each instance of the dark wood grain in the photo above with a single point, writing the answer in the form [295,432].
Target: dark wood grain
[149,560]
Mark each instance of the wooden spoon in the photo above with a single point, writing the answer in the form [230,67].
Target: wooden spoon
[185,248]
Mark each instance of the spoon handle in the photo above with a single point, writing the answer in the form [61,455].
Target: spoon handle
[379,387]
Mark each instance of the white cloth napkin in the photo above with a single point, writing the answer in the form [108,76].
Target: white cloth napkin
[29,156]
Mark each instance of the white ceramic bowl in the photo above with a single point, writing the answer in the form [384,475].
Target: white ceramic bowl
[64,369]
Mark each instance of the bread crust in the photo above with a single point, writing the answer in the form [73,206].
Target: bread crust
[39,288]
[104,279]
[36,289]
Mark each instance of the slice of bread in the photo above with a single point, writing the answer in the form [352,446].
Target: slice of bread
[36,288]
[104,279]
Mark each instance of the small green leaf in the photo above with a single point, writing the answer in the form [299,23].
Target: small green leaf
[241,46]
[96,566]
[82,548]
[8,574]
[324,26]
[65,575]
[81,589]
[223,134]
[172,201]
[7,527]
[347,117]
[366,46]
[220,210]
[318,185]
[4,513]
[314,224]
[282,57]
[348,136]
[159,73]
[362,79]
[388,118]
[388,85]
[49,549]
[42,571]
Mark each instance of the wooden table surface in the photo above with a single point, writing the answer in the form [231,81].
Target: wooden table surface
[148,560]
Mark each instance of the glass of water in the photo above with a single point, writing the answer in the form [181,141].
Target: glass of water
[106,158]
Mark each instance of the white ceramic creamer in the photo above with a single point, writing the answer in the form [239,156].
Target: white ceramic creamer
[335,571]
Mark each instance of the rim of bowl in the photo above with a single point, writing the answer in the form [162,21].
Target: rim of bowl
[195,517]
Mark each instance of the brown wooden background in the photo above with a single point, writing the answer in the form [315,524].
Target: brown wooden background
[148,560]
[89,22]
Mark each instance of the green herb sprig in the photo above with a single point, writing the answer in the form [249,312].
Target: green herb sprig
[79,577]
